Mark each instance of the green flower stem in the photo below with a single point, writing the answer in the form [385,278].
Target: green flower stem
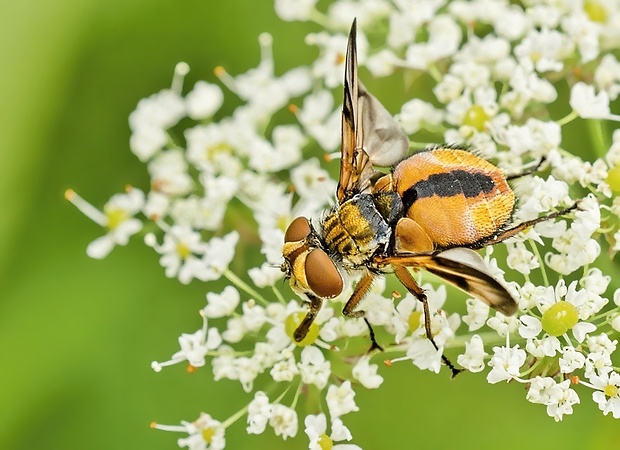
[297,393]
[568,118]
[171,141]
[234,279]
[281,396]
[236,416]
[435,73]
[531,369]
[597,132]
[320,19]
[541,262]
[607,316]
[278,295]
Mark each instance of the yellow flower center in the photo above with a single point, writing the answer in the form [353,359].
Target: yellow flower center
[595,11]
[115,217]
[414,320]
[183,250]
[611,390]
[613,178]
[535,56]
[218,149]
[476,117]
[325,442]
[207,434]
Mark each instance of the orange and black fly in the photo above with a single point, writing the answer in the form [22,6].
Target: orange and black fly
[431,212]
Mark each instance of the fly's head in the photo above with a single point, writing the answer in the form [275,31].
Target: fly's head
[308,267]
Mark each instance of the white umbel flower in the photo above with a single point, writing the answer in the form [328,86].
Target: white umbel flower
[341,399]
[473,358]
[587,104]
[366,373]
[316,429]
[505,363]
[283,420]
[260,411]
[117,217]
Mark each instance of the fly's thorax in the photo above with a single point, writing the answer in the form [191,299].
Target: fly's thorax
[308,267]
[355,231]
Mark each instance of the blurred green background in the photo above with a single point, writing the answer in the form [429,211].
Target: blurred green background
[77,336]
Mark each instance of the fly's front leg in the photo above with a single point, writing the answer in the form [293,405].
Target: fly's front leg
[315,304]
[349,309]
[405,277]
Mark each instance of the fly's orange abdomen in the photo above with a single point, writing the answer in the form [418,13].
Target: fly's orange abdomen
[456,197]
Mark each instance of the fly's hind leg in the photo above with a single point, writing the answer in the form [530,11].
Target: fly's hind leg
[349,309]
[405,277]
[510,232]
[528,171]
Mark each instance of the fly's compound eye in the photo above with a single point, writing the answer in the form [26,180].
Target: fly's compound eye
[297,230]
[322,275]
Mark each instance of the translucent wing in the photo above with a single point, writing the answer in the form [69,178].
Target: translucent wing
[370,136]
[465,269]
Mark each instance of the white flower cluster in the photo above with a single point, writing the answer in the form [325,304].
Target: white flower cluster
[498,69]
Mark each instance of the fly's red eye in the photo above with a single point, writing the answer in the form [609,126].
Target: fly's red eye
[297,230]
[322,275]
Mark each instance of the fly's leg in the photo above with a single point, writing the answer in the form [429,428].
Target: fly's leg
[526,172]
[405,277]
[349,309]
[510,232]
[315,304]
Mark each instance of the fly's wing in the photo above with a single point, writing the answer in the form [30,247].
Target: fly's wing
[467,270]
[349,157]
[370,135]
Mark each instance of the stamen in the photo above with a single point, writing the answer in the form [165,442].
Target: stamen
[204,322]
[86,208]
[331,156]
[158,426]
[265,40]
[326,346]
[225,78]
[157,366]
[180,71]
[392,361]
